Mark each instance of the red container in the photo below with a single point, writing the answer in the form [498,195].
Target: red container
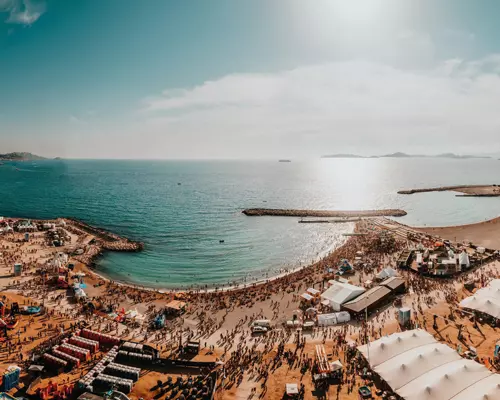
[63,356]
[91,345]
[54,361]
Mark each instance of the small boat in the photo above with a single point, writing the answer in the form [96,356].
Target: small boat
[221,241]
[284,160]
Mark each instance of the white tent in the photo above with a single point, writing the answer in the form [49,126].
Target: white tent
[333,318]
[486,300]
[491,292]
[340,293]
[494,283]
[446,381]
[387,273]
[409,365]
[417,367]
[485,305]
[486,389]
[388,347]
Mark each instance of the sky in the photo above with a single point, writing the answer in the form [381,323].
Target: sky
[248,78]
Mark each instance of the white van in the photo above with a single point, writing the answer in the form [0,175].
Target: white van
[265,323]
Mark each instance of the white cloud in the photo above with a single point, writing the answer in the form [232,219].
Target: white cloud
[354,106]
[23,12]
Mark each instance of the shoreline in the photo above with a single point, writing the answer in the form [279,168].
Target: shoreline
[232,288]
[91,264]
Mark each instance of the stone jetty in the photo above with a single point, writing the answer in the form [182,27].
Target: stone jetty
[257,212]
[101,240]
[108,240]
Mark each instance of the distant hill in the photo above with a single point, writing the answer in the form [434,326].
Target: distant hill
[343,156]
[404,155]
[20,156]
[400,155]
[443,155]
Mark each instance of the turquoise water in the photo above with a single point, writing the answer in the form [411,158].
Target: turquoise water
[182,225]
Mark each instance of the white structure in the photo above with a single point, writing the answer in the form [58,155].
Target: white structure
[387,273]
[485,300]
[417,367]
[59,261]
[333,318]
[340,293]
[463,259]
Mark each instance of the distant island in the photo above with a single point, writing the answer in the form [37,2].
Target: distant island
[20,156]
[405,155]
[284,160]
[343,156]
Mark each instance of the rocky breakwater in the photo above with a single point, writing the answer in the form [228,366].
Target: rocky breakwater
[100,240]
[277,212]
[106,239]
[476,190]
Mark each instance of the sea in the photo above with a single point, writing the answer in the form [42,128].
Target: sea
[188,213]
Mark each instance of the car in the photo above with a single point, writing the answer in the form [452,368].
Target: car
[259,329]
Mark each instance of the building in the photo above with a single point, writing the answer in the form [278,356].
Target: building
[368,301]
[340,293]
[396,284]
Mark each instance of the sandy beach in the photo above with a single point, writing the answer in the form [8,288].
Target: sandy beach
[254,366]
[486,233]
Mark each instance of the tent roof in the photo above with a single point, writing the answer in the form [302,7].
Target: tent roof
[367,299]
[341,292]
[483,304]
[494,283]
[313,291]
[406,367]
[446,381]
[416,370]
[388,347]
[306,296]
[387,273]
[486,300]
[486,389]
[393,283]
